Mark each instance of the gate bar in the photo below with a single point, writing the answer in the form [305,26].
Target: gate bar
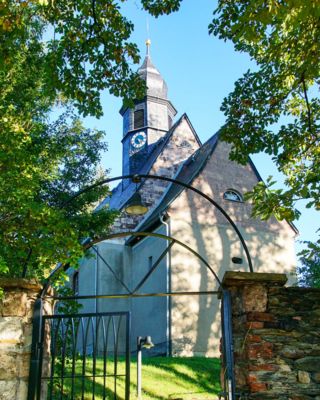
[228,345]
[35,359]
[130,295]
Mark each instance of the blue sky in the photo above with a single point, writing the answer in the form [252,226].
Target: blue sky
[200,70]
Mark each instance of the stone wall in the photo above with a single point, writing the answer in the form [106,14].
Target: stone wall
[276,337]
[16,310]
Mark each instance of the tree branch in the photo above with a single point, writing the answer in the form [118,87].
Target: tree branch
[307,102]
[94,15]
[314,142]
[24,272]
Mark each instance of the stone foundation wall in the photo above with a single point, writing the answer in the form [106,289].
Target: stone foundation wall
[276,333]
[16,311]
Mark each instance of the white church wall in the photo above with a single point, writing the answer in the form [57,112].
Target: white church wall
[95,278]
[117,257]
[195,322]
[157,117]
[150,314]
[87,281]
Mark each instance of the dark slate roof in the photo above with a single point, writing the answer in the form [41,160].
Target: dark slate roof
[119,196]
[156,86]
[188,171]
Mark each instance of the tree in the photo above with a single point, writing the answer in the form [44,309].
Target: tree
[64,52]
[56,53]
[276,108]
[79,47]
[40,172]
[309,272]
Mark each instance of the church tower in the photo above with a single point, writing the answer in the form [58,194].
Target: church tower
[149,120]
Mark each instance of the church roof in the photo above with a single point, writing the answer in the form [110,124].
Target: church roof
[119,196]
[189,170]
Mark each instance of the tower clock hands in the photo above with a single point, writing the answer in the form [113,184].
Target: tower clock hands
[138,140]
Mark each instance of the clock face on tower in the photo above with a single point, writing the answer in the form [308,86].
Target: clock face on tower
[138,140]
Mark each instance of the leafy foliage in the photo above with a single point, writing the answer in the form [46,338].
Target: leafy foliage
[44,163]
[79,48]
[276,109]
[160,7]
[38,175]
[309,272]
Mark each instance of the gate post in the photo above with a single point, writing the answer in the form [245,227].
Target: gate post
[16,310]
[249,311]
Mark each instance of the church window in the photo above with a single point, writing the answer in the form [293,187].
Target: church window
[75,282]
[138,119]
[185,144]
[232,195]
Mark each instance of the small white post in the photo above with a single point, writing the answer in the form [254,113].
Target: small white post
[139,364]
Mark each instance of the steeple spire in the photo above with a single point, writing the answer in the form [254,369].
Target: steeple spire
[157,87]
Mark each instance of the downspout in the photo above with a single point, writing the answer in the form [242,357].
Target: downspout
[96,277]
[168,285]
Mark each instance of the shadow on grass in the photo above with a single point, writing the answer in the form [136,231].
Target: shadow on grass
[163,378]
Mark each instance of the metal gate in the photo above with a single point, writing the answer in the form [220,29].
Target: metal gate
[80,356]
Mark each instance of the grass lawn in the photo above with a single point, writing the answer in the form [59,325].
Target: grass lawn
[176,378]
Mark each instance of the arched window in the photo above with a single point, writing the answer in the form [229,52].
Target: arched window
[185,144]
[232,195]
[138,121]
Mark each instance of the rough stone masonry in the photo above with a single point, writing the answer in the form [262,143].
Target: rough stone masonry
[16,312]
[276,337]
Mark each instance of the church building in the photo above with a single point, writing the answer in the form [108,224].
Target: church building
[155,143]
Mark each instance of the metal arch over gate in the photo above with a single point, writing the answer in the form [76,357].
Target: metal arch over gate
[44,326]
[133,293]
[136,178]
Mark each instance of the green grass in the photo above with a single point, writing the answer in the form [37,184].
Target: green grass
[179,378]
[194,378]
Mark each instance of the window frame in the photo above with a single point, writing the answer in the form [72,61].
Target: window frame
[75,282]
[234,192]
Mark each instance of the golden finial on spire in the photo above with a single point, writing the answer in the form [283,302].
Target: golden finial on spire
[148,43]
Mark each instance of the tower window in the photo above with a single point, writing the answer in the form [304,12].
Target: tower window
[232,195]
[138,119]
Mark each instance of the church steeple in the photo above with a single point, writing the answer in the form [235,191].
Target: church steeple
[148,121]
[156,86]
